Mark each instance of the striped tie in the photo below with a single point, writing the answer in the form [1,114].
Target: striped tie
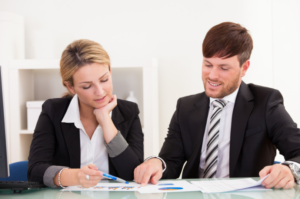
[212,140]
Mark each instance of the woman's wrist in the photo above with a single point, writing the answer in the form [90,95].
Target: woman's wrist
[68,177]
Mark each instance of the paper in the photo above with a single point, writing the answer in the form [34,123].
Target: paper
[217,186]
[169,186]
[106,187]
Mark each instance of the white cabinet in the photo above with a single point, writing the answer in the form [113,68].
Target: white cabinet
[31,80]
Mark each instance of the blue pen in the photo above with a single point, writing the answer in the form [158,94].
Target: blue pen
[115,178]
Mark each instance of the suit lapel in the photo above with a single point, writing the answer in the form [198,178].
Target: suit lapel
[241,112]
[72,139]
[197,123]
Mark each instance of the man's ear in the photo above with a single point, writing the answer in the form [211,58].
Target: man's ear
[245,67]
[69,87]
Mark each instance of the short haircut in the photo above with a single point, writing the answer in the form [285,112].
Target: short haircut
[226,40]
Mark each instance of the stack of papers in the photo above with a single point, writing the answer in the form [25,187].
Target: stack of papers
[217,186]
[208,186]
[169,186]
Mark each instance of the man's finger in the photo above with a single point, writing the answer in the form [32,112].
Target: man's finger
[265,171]
[146,177]
[141,174]
[136,173]
[154,179]
[281,183]
[273,178]
[289,184]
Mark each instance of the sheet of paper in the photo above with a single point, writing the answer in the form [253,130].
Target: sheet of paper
[169,186]
[216,186]
[106,187]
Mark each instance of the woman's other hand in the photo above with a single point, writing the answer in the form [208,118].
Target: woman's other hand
[89,176]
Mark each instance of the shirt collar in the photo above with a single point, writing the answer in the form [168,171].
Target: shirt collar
[72,115]
[230,98]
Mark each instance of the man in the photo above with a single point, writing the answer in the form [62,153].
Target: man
[232,129]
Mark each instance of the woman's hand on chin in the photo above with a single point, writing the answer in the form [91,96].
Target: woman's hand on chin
[102,113]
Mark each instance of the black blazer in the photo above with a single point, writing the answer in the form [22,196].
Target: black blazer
[56,143]
[260,124]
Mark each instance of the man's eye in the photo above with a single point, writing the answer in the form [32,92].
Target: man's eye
[224,68]
[208,65]
[87,87]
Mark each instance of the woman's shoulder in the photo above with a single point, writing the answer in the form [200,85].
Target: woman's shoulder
[57,102]
[124,104]
[56,106]
[127,107]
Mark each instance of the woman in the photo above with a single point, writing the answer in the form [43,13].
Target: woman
[89,131]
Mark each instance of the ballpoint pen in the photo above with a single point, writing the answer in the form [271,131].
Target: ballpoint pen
[115,178]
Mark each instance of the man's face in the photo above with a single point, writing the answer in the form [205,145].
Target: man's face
[222,77]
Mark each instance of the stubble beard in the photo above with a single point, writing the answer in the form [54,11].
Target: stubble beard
[226,91]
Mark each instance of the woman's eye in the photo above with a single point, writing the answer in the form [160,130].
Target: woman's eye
[86,87]
[104,80]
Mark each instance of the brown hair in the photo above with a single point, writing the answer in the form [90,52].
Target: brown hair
[227,40]
[77,54]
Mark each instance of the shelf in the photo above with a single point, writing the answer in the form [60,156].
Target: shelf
[26,132]
[36,80]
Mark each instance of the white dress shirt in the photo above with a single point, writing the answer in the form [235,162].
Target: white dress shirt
[92,151]
[224,137]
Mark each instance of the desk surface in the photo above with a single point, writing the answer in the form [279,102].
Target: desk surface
[49,193]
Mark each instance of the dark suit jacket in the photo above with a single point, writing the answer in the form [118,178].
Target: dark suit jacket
[56,143]
[260,124]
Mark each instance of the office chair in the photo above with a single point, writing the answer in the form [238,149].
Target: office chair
[18,171]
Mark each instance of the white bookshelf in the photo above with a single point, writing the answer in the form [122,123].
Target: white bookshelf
[34,80]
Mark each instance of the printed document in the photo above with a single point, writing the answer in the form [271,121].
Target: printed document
[217,186]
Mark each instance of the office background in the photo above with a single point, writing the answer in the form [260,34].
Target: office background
[171,31]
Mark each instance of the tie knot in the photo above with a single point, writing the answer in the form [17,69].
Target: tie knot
[220,103]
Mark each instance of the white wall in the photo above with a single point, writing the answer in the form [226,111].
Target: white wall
[172,31]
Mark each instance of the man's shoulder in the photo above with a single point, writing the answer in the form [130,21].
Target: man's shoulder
[261,91]
[193,98]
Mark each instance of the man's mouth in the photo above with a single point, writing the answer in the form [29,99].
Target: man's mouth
[213,84]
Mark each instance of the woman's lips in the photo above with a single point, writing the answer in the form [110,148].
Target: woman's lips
[101,99]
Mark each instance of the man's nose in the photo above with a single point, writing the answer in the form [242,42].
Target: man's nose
[214,73]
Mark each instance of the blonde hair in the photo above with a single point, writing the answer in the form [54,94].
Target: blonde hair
[77,54]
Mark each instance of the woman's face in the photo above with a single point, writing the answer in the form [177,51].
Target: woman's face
[93,85]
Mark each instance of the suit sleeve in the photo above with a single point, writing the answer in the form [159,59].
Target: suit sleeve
[42,147]
[172,151]
[282,129]
[133,155]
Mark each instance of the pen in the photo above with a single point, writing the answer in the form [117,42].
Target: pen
[115,178]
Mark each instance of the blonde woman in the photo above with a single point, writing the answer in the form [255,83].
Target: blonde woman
[89,131]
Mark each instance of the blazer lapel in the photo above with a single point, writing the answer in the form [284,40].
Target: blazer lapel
[119,121]
[72,139]
[241,112]
[197,124]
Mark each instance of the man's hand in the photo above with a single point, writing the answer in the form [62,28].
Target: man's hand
[149,171]
[280,176]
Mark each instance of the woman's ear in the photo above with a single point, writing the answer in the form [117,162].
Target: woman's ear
[69,87]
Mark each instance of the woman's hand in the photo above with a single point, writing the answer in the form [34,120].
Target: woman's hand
[105,121]
[102,114]
[94,176]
